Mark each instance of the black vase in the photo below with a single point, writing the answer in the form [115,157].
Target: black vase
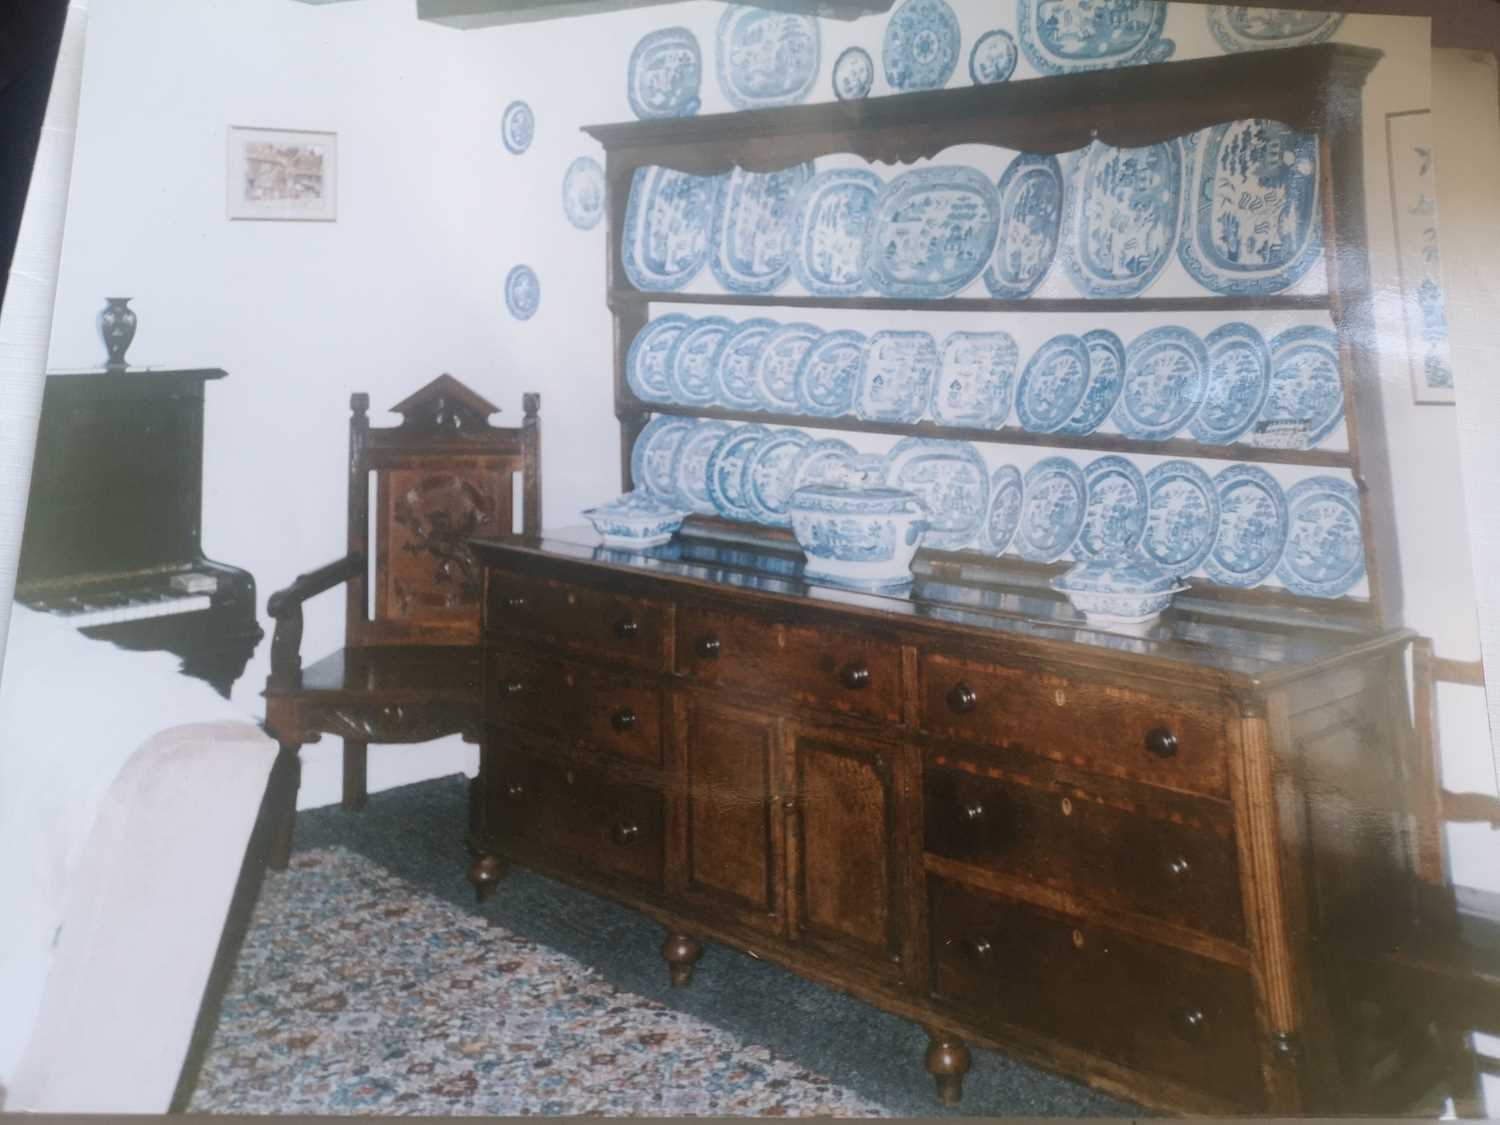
[117,327]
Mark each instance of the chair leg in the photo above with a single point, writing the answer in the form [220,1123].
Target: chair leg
[286,779]
[356,758]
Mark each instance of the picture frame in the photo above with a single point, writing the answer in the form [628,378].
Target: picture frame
[287,175]
[1418,256]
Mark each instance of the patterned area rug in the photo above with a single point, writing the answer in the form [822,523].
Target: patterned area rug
[356,992]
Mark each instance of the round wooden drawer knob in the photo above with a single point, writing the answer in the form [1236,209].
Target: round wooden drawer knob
[1161,743]
[972,812]
[978,948]
[626,628]
[708,648]
[516,601]
[961,698]
[515,791]
[514,687]
[1178,869]
[1190,1023]
[622,720]
[625,833]
[855,676]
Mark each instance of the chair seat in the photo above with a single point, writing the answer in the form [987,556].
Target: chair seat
[1452,970]
[417,673]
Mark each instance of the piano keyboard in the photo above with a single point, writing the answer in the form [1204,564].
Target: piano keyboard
[86,616]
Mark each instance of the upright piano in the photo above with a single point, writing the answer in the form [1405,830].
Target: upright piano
[113,522]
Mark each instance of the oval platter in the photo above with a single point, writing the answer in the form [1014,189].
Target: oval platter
[1106,377]
[853,74]
[1115,517]
[1324,555]
[668,223]
[1052,511]
[770,475]
[993,58]
[835,215]
[735,377]
[652,456]
[776,367]
[724,477]
[1253,223]
[895,376]
[646,362]
[1306,398]
[829,461]
[1239,375]
[1066,36]
[950,478]
[517,127]
[1032,194]
[1252,527]
[693,361]
[829,373]
[1166,373]
[754,226]
[934,232]
[1053,384]
[523,292]
[665,73]
[1003,516]
[920,49]
[1182,516]
[583,193]
[690,466]
[765,57]
[1120,216]
[1239,27]
[973,385]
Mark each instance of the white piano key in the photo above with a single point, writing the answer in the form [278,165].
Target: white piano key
[113,615]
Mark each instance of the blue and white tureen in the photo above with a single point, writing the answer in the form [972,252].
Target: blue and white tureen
[1121,591]
[856,534]
[636,520]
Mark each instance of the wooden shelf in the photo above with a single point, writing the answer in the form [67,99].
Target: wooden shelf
[622,297]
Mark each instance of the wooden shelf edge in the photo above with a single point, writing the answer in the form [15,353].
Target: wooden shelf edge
[624,295]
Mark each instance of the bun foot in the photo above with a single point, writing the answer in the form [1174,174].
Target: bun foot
[947,1061]
[485,872]
[681,953]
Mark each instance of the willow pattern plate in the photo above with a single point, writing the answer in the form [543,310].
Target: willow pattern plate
[1239,375]
[668,221]
[829,461]
[973,387]
[651,458]
[1053,384]
[993,58]
[770,475]
[920,50]
[737,388]
[583,193]
[1306,399]
[725,474]
[934,232]
[766,57]
[853,74]
[1252,527]
[693,360]
[895,376]
[753,228]
[1182,519]
[1007,491]
[1239,27]
[1052,512]
[950,478]
[835,216]
[646,362]
[776,366]
[1106,377]
[1120,217]
[1115,517]
[1325,552]
[666,70]
[829,373]
[1166,371]
[690,466]
[1031,195]
[1065,36]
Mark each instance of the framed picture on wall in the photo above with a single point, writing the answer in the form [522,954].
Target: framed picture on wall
[286,174]
[1418,257]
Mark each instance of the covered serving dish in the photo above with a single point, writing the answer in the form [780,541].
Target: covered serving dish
[1128,591]
[856,534]
[636,520]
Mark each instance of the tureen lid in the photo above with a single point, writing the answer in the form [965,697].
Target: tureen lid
[1136,574]
[856,498]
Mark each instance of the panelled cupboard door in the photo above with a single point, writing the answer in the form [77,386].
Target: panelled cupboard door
[844,830]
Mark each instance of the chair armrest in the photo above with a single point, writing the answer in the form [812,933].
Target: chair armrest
[314,582]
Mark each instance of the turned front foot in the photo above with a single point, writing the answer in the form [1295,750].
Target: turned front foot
[681,953]
[947,1061]
[485,872]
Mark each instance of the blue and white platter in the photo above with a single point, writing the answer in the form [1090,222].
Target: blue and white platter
[1003,516]
[934,232]
[1120,217]
[523,292]
[690,466]
[973,387]
[1053,384]
[1032,195]
[776,367]
[766,57]
[1252,527]
[895,376]
[693,361]
[1053,510]
[835,217]
[1166,373]
[1306,400]
[993,58]
[1065,36]
[829,461]
[1239,375]
[950,479]
[1253,225]
[646,361]
[754,228]
[920,50]
[770,475]
[1115,518]
[725,474]
[583,193]
[1106,377]
[853,74]
[517,127]
[1239,27]
[668,224]
[666,70]
[654,454]
[829,373]
[736,385]
[1325,552]
[1182,518]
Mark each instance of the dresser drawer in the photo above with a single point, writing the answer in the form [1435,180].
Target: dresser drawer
[841,670]
[582,706]
[579,618]
[1130,847]
[1148,1006]
[1098,726]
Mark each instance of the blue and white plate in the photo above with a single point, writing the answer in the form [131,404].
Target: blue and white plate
[766,57]
[1052,512]
[776,366]
[523,292]
[1239,27]
[950,478]
[934,231]
[1166,373]
[920,50]
[725,475]
[517,127]
[668,223]
[1007,492]
[993,58]
[583,193]
[1252,527]
[690,466]
[1239,375]
[853,74]
[1182,518]
[771,475]
[1121,216]
[1115,518]
[1106,377]
[693,361]
[753,228]
[1065,36]
[654,453]
[1031,209]
[646,362]
[835,217]
[666,70]
[829,373]
[737,388]
[895,376]
[829,461]
[1053,384]
[1325,550]
[1306,399]
[973,388]
[1253,224]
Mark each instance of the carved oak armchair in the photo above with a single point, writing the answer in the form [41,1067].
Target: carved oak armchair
[409,668]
